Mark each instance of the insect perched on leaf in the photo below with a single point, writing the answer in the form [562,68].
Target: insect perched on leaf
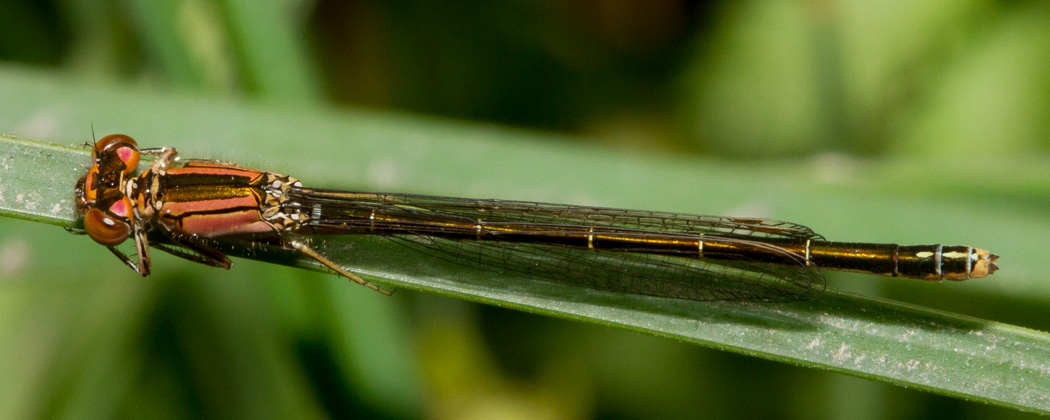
[180,206]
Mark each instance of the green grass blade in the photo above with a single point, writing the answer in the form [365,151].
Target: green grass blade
[34,180]
[869,337]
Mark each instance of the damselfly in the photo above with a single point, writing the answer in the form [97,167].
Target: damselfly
[182,206]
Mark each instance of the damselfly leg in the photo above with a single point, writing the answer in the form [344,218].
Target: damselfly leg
[310,252]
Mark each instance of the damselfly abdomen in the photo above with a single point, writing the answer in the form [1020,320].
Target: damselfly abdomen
[182,206]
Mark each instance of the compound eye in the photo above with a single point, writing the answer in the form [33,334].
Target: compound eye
[87,187]
[120,146]
[105,229]
[114,140]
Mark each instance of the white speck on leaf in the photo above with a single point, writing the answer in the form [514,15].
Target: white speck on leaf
[842,354]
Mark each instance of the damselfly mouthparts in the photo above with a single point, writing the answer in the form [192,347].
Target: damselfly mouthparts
[181,206]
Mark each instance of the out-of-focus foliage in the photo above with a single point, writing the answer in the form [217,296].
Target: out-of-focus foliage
[964,80]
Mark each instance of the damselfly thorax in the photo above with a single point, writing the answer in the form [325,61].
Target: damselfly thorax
[187,204]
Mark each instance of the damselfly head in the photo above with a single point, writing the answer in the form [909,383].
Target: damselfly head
[108,212]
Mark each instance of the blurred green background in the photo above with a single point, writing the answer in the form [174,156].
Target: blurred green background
[942,103]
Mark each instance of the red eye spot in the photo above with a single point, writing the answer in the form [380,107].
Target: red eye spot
[129,156]
[105,229]
[121,208]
